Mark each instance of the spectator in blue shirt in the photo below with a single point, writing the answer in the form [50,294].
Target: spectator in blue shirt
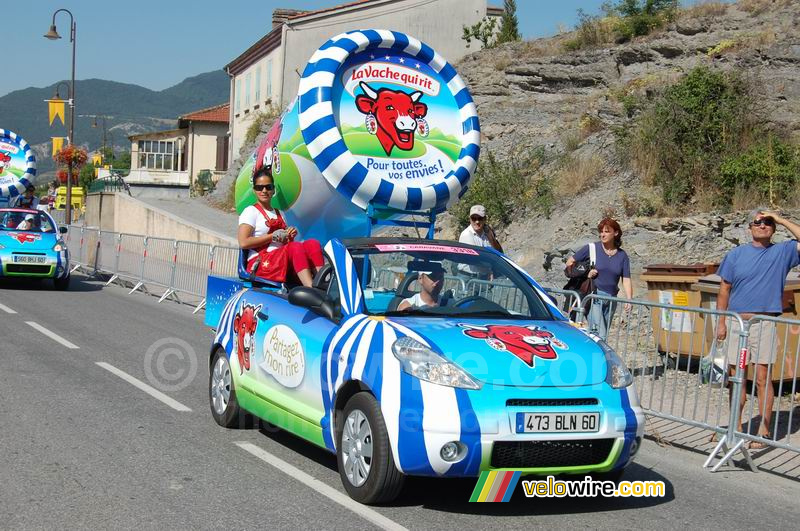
[753,276]
[611,265]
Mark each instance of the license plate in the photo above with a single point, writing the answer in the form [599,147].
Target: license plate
[23,259]
[557,422]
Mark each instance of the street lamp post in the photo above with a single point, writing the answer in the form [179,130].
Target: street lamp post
[52,34]
[94,124]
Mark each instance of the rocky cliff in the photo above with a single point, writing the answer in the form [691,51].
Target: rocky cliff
[535,95]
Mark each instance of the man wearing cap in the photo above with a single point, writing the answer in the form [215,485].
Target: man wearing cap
[27,199]
[479,233]
[28,223]
[753,276]
[430,282]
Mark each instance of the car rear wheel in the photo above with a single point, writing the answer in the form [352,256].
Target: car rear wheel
[222,393]
[61,284]
[366,464]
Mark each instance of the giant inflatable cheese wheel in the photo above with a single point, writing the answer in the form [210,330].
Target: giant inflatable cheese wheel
[17,165]
[380,119]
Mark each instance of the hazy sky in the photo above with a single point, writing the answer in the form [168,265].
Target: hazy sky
[158,43]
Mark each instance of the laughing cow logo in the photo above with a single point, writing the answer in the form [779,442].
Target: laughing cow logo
[245,324]
[26,237]
[5,160]
[525,342]
[396,114]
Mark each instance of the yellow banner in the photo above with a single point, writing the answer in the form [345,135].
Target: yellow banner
[55,108]
[97,159]
[58,143]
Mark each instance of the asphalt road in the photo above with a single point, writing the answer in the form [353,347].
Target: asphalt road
[86,441]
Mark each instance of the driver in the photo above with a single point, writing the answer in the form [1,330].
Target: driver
[431,282]
[29,223]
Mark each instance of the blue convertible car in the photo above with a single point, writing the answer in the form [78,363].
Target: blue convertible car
[31,246]
[422,357]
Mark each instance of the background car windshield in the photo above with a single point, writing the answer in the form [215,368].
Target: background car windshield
[462,281]
[24,221]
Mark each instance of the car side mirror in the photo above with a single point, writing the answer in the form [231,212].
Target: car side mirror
[63,230]
[313,299]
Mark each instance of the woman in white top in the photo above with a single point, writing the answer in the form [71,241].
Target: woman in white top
[272,244]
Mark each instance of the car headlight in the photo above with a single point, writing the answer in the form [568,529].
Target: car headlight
[618,375]
[423,363]
[59,246]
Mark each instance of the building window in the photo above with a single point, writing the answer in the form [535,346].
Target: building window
[258,85]
[247,90]
[158,155]
[238,98]
[269,80]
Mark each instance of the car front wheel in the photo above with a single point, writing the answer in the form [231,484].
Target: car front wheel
[366,464]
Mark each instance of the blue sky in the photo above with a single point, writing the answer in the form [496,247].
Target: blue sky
[158,43]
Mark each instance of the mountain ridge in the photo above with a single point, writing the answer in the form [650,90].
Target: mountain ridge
[128,108]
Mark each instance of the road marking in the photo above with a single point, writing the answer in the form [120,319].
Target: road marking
[155,393]
[6,308]
[52,335]
[329,492]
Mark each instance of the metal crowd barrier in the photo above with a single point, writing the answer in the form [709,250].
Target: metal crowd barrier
[681,369]
[145,262]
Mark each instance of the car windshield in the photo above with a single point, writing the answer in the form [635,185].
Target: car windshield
[443,279]
[20,220]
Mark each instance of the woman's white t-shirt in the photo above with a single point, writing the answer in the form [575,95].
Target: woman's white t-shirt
[251,216]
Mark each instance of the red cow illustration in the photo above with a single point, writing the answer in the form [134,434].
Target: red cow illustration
[396,113]
[5,158]
[525,342]
[26,237]
[245,324]
[267,153]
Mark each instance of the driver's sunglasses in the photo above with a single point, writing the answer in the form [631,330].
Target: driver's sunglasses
[476,218]
[763,221]
[260,187]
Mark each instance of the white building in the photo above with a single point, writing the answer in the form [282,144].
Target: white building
[268,73]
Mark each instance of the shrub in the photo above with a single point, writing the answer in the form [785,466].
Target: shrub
[204,183]
[621,22]
[502,186]
[768,169]
[591,31]
[261,121]
[683,136]
[576,174]
[710,8]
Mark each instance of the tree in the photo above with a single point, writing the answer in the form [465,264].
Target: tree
[509,25]
[483,31]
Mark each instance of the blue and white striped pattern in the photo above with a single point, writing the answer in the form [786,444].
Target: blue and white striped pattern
[326,146]
[350,294]
[225,331]
[361,350]
[19,187]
